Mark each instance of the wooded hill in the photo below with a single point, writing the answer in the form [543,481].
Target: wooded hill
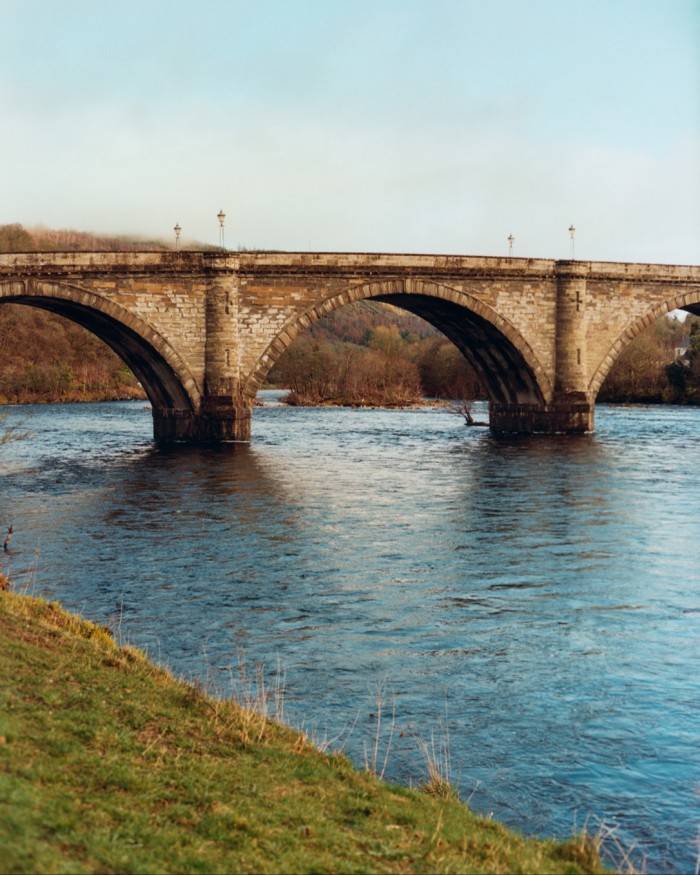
[364,354]
[16,238]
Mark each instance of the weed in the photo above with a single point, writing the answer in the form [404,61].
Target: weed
[438,760]
[603,844]
[607,845]
[372,754]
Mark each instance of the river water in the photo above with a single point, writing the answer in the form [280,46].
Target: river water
[532,603]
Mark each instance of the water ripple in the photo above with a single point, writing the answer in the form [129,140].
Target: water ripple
[539,595]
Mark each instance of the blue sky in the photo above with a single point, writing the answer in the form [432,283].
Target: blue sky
[436,126]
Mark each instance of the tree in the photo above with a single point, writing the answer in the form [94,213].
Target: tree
[640,373]
[684,376]
[11,431]
[14,238]
[444,371]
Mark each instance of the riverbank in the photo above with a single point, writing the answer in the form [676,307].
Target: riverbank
[294,399]
[111,764]
[75,396]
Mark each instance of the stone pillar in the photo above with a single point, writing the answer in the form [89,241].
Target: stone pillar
[561,416]
[572,407]
[173,426]
[570,410]
[224,416]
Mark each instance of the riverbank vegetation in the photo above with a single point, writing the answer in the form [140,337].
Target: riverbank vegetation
[372,354]
[660,366]
[44,357]
[48,358]
[110,764]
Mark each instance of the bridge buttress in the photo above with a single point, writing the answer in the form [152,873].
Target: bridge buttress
[223,415]
[570,409]
[573,408]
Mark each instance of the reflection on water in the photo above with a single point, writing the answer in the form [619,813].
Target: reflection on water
[541,592]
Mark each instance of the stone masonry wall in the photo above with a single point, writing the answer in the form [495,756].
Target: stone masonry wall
[275,290]
[259,297]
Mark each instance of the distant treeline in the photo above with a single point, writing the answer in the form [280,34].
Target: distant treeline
[373,354]
[363,354]
[48,358]
[16,238]
[660,366]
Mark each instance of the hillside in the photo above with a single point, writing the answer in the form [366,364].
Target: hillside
[44,357]
[16,238]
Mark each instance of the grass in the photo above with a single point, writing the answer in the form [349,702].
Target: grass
[110,764]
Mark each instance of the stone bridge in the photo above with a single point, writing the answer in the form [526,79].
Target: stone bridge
[201,330]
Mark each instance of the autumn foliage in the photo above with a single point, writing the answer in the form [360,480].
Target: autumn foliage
[371,354]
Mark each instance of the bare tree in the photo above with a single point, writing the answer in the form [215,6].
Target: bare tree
[10,432]
[463,408]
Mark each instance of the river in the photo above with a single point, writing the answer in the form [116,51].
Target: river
[533,603]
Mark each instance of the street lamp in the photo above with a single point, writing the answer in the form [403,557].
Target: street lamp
[221,216]
[511,240]
[177,230]
[572,231]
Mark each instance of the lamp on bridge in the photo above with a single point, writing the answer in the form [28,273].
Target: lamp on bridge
[177,230]
[572,231]
[511,240]
[221,217]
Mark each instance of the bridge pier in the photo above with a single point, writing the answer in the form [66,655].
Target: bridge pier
[569,415]
[223,417]
[223,421]
[571,410]
[220,422]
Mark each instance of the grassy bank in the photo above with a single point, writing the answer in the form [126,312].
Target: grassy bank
[110,764]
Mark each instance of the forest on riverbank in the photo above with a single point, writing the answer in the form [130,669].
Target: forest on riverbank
[367,353]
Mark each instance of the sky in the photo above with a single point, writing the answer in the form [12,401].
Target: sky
[434,126]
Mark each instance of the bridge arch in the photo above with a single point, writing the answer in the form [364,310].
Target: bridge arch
[504,362]
[689,301]
[166,379]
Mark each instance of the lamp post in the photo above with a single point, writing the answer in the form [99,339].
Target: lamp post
[511,240]
[221,217]
[572,231]
[177,230]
